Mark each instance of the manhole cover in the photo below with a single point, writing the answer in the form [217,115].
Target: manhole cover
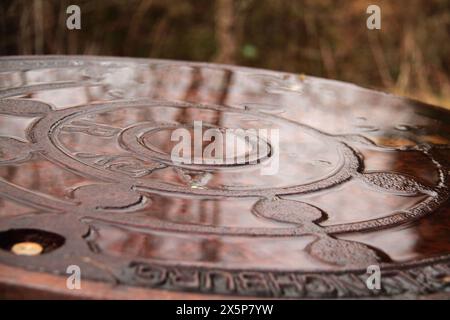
[355,181]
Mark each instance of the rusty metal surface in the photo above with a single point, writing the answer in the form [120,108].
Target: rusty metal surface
[86,179]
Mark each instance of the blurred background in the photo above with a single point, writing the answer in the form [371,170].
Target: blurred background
[409,56]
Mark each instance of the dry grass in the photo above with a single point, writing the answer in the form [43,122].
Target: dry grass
[409,56]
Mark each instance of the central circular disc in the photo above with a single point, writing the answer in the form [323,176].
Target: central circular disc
[262,146]
[201,146]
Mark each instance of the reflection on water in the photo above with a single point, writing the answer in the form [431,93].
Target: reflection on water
[229,252]
[334,108]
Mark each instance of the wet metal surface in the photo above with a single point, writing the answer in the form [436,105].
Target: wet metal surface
[85,173]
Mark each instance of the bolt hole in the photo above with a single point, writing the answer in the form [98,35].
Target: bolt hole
[30,242]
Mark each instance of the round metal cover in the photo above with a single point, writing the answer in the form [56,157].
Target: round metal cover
[87,178]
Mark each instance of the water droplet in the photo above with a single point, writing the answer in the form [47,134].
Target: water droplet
[321,162]
[403,127]
[116,93]
[367,128]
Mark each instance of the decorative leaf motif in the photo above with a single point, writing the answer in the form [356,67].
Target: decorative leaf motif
[13,150]
[128,165]
[288,211]
[357,139]
[393,182]
[342,252]
[108,197]
[24,107]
